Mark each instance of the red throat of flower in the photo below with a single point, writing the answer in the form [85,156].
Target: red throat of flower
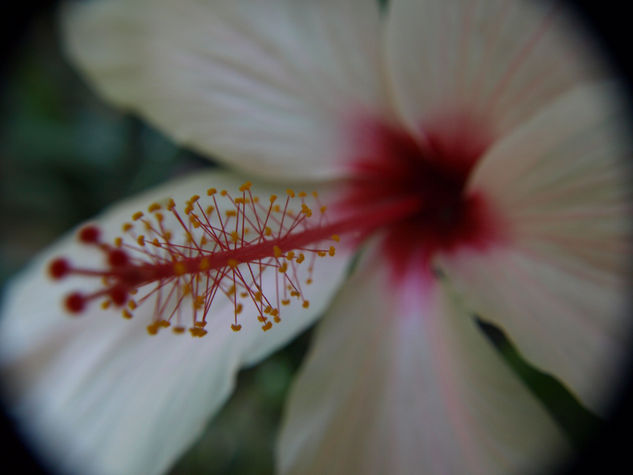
[413,192]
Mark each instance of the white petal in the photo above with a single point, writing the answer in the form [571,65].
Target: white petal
[401,381]
[96,393]
[267,85]
[559,286]
[495,61]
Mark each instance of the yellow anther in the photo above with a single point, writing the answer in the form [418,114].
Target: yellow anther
[267,326]
[188,209]
[238,308]
[277,319]
[204,263]
[163,323]
[336,237]
[321,253]
[118,242]
[186,289]
[302,194]
[268,309]
[277,209]
[179,268]
[283,267]
[152,328]
[246,186]
[255,199]
[257,296]
[285,302]
[209,210]
[305,209]
[273,198]
[224,192]
[236,328]
[232,263]
[106,304]
[126,227]
[159,217]
[243,294]
[203,240]
[133,291]
[148,226]
[197,332]
[331,251]
[193,199]
[290,193]
[178,330]
[235,236]
[239,201]
[167,235]
[198,302]
[308,281]
[231,290]
[170,204]
[276,251]
[156,242]
[294,293]
[211,191]
[323,209]
[154,207]
[199,324]
[315,194]
[230,213]
[138,215]
[301,258]
[268,231]
[290,255]
[305,304]
[132,304]
[141,240]
[275,312]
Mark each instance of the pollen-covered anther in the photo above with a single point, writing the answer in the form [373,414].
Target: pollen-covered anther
[125,313]
[267,326]
[236,328]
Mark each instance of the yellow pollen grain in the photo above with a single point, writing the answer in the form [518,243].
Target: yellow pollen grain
[305,304]
[197,332]
[198,303]
[267,326]
[315,194]
[118,242]
[332,251]
[138,215]
[188,209]
[156,242]
[231,290]
[323,209]
[275,312]
[159,217]
[277,209]
[200,324]
[132,304]
[268,231]
[179,268]
[273,198]
[211,191]
[294,293]
[290,255]
[258,296]
[141,240]
[246,186]
[290,193]
[336,237]
[186,289]
[268,309]
[321,253]
[209,210]
[154,207]
[224,192]
[301,258]
[231,213]
[236,328]
[106,304]
[235,236]
[178,330]
[193,199]
[283,267]
[308,281]
[126,227]
[255,199]
[163,323]
[277,319]
[238,308]
[276,251]
[152,329]
[302,194]
[285,302]
[261,318]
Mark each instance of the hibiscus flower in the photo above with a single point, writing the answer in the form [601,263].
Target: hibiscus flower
[471,154]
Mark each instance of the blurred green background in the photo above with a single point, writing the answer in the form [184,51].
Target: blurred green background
[65,155]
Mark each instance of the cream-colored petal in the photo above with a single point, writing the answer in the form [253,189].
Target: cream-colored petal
[559,286]
[400,380]
[269,86]
[96,393]
[492,61]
